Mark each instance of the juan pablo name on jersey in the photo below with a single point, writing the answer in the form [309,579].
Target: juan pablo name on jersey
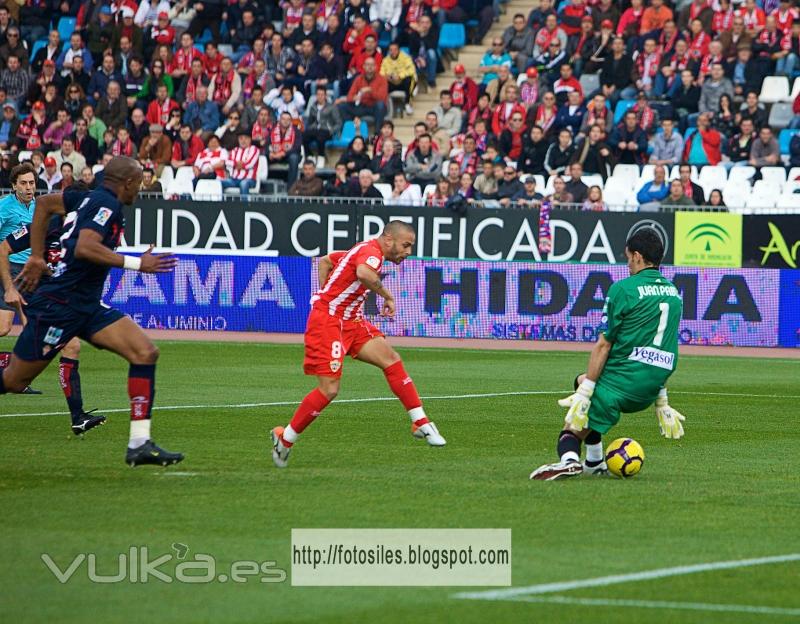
[343,294]
[643,313]
[74,279]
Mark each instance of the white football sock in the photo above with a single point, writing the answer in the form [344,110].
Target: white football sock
[416,413]
[594,452]
[140,433]
[570,456]
[290,435]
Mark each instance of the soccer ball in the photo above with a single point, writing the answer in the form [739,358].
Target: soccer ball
[624,457]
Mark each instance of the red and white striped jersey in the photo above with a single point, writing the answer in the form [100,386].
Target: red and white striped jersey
[208,156]
[248,157]
[343,295]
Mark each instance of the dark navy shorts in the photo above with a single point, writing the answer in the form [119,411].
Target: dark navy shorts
[52,324]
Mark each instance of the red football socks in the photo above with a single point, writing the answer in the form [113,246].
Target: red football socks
[311,406]
[402,386]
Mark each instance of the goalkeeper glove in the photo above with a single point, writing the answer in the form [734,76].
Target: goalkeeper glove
[669,419]
[578,404]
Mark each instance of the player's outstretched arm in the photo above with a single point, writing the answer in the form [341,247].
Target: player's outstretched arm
[369,278]
[90,247]
[35,267]
[579,403]
[669,419]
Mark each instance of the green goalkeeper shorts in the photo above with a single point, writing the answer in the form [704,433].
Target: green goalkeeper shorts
[608,404]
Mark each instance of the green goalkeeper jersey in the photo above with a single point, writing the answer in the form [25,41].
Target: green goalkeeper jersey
[642,313]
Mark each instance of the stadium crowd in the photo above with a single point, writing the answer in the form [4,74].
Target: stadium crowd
[567,94]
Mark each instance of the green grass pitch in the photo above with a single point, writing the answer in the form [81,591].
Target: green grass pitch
[729,490]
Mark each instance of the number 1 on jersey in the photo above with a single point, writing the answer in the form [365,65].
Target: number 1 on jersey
[662,324]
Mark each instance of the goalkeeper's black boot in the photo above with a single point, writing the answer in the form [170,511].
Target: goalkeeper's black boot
[149,453]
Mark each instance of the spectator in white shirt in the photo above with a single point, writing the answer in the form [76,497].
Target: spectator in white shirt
[242,165]
[404,194]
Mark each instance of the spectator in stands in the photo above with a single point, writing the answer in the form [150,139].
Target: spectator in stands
[752,109]
[161,108]
[441,194]
[509,186]
[367,95]
[794,151]
[440,137]
[195,79]
[56,131]
[14,80]
[467,158]
[399,70]
[574,185]
[464,90]
[88,178]
[387,164]
[724,120]
[210,163]
[134,80]
[616,73]
[667,145]
[550,64]
[518,42]
[364,189]
[150,183]
[322,122]
[228,133]
[528,196]
[559,154]
[186,148]
[595,51]
[386,134]
[84,143]
[355,157]
[286,99]
[423,42]
[692,190]
[14,46]
[309,184]
[745,74]
[339,186]
[549,32]
[787,65]
[403,193]
[713,87]
[493,60]
[102,75]
[66,60]
[765,151]
[686,98]
[448,117]
[703,145]
[538,16]
[646,116]
[508,107]
[482,10]
[423,164]
[715,199]
[534,151]
[202,115]
[735,39]
[497,89]
[67,153]
[653,192]
[9,127]
[47,76]
[156,149]
[51,175]
[740,145]
[629,141]
[113,109]
[571,114]
[560,194]
[597,113]
[594,155]
[284,147]
[594,200]
[242,164]
[77,75]
[676,198]
[512,138]
[485,182]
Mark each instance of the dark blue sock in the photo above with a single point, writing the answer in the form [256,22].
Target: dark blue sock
[2,385]
[70,380]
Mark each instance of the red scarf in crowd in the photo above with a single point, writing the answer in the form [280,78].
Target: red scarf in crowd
[655,61]
[261,133]
[282,142]
[118,148]
[458,94]
[414,13]
[377,145]
[163,111]
[698,48]
[665,46]
[191,87]
[223,87]
[645,115]
[544,37]
[722,21]
[596,117]
[544,118]
[695,10]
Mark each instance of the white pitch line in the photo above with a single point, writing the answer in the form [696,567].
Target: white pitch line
[515,593]
[377,399]
[292,403]
[659,604]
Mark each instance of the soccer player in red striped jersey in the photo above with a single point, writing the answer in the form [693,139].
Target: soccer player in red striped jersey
[336,327]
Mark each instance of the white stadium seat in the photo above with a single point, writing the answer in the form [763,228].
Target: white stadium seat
[385,189]
[594,179]
[630,172]
[675,173]
[795,89]
[774,175]
[741,174]
[180,186]
[774,89]
[789,202]
[429,190]
[713,175]
[263,169]
[167,176]
[780,116]
[648,173]
[208,190]
[185,173]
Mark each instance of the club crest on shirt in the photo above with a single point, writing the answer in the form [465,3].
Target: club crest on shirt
[335,365]
[17,234]
[102,216]
[374,262]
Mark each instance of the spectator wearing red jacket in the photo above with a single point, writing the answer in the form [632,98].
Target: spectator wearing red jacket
[572,15]
[464,90]
[703,146]
[158,111]
[187,148]
[357,35]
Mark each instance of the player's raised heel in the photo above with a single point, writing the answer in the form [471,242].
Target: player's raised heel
[280,453]
[553,472]
[429,433]
[86,421]
[149,453]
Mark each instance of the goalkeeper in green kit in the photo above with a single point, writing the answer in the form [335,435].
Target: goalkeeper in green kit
[629,365]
